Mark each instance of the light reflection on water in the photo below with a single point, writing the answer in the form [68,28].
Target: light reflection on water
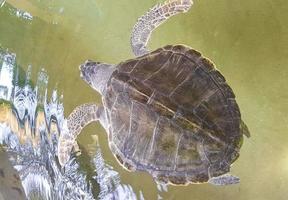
[246,39]
[30,140]
[29,130]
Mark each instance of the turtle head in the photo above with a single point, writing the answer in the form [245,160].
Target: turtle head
[96,74]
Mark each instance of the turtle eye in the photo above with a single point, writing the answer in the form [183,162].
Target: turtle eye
[134,126]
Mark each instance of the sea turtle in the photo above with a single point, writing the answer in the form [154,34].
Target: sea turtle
[169,112]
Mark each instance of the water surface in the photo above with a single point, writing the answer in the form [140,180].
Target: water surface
[247,40]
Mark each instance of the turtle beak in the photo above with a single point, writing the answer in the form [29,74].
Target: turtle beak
[86,70]
[96,74]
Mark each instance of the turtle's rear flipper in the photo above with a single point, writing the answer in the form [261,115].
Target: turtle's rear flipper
[226,179]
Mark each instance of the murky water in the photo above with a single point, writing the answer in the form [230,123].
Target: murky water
[247,40]
[29,132]
[30,126]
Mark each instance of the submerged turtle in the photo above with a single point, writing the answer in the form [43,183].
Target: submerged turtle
[169,112]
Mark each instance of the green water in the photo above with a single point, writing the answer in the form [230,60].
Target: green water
[247,40]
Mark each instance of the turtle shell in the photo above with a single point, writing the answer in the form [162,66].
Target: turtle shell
[171,113]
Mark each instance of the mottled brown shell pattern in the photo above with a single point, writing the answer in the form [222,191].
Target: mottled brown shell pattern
[173,114]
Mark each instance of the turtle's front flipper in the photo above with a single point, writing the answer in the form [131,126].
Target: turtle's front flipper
[152,19]
[226,179]
[77,120]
